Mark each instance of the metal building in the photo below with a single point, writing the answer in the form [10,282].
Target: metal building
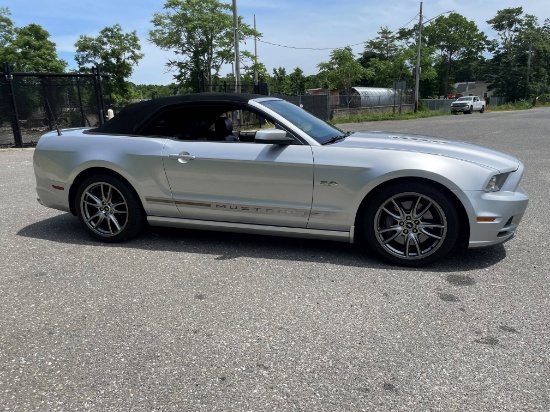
[373,96]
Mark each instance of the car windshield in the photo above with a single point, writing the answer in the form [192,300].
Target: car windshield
[464,98]
[321,131]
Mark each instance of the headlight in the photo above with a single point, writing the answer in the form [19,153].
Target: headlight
[495,183]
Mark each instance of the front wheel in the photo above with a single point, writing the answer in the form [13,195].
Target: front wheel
[108,209]
[471,110]
[411,224]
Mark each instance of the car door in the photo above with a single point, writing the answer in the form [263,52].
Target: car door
[266,184]
[477,103]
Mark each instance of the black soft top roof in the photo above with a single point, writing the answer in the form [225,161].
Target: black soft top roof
[128,120]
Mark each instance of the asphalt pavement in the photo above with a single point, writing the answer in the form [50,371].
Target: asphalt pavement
[182,320]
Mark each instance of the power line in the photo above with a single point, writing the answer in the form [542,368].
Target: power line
[309,48]
[330,48]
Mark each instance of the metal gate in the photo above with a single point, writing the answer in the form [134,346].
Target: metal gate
[34,103]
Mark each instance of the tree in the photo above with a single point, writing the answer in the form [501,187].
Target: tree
[408,39]
[297,81]
[29,49]
[455,38]
[151,91]
[6,27]
[343,70]
[387,60]
[280,82]
[201,35]
[7,33]
[263,74]
[115,53]
[386,72]
[520,64]
[384,46]
[507,23]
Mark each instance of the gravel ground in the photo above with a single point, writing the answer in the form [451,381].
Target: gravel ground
[203,321]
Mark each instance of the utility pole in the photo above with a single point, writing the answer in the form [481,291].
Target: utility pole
[528,68]
[417,84]
[255,56]
[236,40]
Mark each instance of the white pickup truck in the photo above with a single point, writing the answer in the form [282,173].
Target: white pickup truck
[468,104]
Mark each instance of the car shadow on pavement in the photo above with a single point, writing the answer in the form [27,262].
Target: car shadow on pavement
[66,229]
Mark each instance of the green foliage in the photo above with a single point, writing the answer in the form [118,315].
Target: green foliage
[343,70]
[6,28]
[115,53]
[386,60]
[297,81]
[455,39]
[384,46]
[263,74]
[6,36]
[279,82]
[406,56]
[521,59]
[317,81]
[517,105]
[28,48]
[150,91]
[372,117]
[200,33]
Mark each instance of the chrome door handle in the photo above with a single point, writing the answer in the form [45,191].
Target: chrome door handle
[183,157]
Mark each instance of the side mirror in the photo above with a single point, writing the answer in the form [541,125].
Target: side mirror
[272,136]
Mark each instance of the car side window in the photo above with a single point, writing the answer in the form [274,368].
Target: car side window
[213,123]
[179,123]
[245,123]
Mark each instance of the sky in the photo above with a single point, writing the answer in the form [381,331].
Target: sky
[297,24]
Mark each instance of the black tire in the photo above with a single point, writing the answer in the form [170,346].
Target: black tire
[108,209]
[482,109]
[410,224]
[471,110]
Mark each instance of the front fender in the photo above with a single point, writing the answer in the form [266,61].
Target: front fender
[340,189]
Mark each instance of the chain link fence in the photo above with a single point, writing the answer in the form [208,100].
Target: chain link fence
[445,104]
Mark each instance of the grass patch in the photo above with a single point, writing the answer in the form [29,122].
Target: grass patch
[373,117]
[518,105]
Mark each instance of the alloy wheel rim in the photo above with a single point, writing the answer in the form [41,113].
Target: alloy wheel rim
[104,209]
[410,226]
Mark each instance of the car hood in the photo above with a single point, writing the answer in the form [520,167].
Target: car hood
[431,145]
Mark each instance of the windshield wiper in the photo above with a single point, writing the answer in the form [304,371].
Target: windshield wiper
[336,138]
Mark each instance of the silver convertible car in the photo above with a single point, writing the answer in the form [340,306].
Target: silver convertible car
[256,164]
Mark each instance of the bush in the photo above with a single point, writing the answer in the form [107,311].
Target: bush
[517,105]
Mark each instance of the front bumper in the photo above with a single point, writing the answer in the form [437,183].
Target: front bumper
[506,207]
[460,109]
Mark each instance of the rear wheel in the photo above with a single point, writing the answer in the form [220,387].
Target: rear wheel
[411,224]
[482,109]
[108,209]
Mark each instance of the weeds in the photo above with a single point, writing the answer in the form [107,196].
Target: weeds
[373,117]
[517,105]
